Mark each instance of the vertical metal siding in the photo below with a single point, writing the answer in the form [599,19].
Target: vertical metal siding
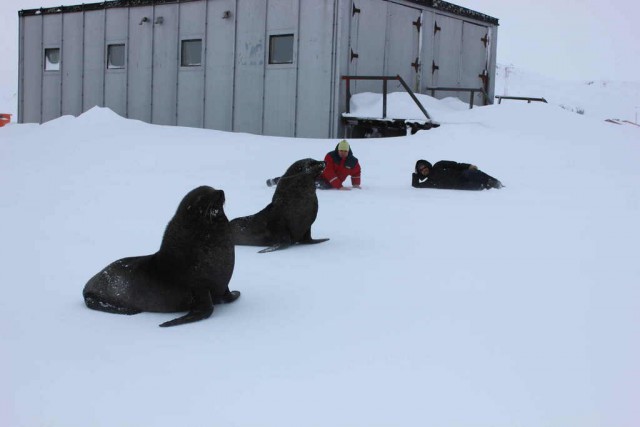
[474,58]
[115,83]
[314,84]
[280,79]
[220,51]
[235,88]
[368,36]
[250,63]
[51,80]
[94,59]
[342,35]
[402,44]
[493,45]
[165,64]
[20,70]
[447,52]
[33,56]
[140,60]
[191,79]
[427,52]
[72,62]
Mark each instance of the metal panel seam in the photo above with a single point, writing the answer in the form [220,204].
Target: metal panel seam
[177,109]
[233,83]
[204,77]
[41,66]
[126,64]
[265,60]
[104,60]
[84,49]
[335,82]
[62,49]
[153,47]
[21,70]
[297,57]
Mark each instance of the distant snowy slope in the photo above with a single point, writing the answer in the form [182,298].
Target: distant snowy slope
[596,98]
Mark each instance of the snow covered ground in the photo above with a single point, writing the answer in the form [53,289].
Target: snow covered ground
[511,307]
[600,99]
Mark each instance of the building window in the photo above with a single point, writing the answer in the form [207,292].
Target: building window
[281,49]
[191,53]
[115,56]
[52,59]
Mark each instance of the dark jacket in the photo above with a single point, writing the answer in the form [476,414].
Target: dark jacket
[338,169]
[447,174]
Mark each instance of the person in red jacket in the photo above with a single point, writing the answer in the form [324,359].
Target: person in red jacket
[340,163]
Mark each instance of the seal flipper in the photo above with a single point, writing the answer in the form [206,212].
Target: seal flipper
[96,303]
[228,297]
[276,247]
[307,240]
[312,241]
[202,309]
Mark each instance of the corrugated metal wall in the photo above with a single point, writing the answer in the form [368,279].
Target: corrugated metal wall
[235,88]
[426,48]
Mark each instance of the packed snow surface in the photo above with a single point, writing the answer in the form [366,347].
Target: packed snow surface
[511,307]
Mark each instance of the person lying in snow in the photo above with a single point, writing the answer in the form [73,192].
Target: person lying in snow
[340,163]
[451,175]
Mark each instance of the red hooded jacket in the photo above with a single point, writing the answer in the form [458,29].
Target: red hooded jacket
[338,169]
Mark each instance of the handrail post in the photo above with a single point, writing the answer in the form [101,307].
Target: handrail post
[348,94]
[413,96]
[471,99]
[384,98]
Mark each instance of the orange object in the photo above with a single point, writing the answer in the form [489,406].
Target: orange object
[4,119]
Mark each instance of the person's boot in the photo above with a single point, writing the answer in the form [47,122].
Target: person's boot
[494,183]
[272,181]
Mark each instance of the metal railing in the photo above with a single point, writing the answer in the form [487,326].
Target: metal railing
[472,90]
[384,79]
[520,98]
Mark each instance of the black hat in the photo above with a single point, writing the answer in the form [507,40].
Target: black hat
[421,163]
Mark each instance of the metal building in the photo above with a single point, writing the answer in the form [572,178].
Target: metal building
[271,67]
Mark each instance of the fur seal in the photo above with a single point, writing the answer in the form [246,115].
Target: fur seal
[190,272]
[287,219]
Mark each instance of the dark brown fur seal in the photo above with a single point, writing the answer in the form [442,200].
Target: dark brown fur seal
[190,272]
[287,219]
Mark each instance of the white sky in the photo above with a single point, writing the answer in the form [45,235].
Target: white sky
[568,39]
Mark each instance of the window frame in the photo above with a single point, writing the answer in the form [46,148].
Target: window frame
[271,59]
[46,62]
[124,57]
[182,53]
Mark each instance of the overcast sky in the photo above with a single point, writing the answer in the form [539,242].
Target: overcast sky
[568,39]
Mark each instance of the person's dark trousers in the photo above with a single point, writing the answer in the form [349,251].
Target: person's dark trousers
[321,184]
[475,179]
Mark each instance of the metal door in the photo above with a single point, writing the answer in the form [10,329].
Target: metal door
[475,48]
[447,49]
[402,50]
[367,43]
